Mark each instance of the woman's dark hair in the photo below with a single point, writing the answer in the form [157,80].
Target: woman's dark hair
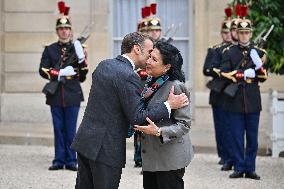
[171,55]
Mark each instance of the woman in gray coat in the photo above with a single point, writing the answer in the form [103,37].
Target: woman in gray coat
[166,145]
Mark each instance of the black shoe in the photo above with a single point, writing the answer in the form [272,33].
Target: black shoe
[71,167]
[138,164]
[252,175]
[236,174]
[55,167]
[226,167]
[221,162]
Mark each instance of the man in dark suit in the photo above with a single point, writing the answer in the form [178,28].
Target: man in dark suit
[113,104]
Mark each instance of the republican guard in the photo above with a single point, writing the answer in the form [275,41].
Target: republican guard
[63,91]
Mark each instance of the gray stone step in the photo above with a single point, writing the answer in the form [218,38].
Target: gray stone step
[26,133]
[23,133]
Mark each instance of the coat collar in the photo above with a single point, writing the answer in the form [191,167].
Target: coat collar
[123,59]
[61,44]
[163,92]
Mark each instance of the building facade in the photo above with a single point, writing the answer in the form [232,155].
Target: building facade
[27,25]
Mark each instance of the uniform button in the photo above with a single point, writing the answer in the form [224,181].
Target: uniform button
[143,151]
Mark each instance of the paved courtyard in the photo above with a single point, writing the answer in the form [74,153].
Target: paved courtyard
[25,167]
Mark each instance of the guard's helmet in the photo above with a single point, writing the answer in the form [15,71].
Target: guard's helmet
[154,24]
[63,20]
[226,24]
[244,24]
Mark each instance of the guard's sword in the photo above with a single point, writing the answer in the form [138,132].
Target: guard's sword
[170,39]
[269,31]
[176,29]
[85,34]
[259,36]
[168,30]
[261,42]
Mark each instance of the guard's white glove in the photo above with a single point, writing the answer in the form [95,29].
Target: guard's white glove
[67,71]
[255,59]
[79,51]
[249,73]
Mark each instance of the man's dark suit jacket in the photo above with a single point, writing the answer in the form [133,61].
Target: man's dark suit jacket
[113,104]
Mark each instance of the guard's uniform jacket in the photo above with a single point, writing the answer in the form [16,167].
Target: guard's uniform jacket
[69,92]
[213,62]
[247,98]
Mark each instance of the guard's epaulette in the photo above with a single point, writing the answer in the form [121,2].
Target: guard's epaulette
[227,48]
[216,46]
[261,49]
[47,44]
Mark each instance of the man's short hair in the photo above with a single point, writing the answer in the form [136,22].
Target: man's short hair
[131,39]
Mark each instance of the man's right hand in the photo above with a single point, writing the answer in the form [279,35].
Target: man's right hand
[177,101]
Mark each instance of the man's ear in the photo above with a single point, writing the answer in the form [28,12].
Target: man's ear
[136,49]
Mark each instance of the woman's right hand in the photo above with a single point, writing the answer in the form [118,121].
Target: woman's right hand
[150,129]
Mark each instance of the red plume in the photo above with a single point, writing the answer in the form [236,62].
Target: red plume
[148,11]
[238,9]
[244,10]
[61,7]
[143,12]
[66,11]
[153,8]
[228,12]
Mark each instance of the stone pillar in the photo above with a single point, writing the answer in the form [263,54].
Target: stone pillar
[1,54]
[27,26]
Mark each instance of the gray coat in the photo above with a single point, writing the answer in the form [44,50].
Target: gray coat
[173,149]
[112,106]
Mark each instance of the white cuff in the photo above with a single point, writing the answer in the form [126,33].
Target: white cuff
[257,67]
[81,60]
[79,50]
[168,107]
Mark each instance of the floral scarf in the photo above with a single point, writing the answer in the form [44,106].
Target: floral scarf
[151,87]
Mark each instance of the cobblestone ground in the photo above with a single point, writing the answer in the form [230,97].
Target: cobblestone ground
[25,167]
